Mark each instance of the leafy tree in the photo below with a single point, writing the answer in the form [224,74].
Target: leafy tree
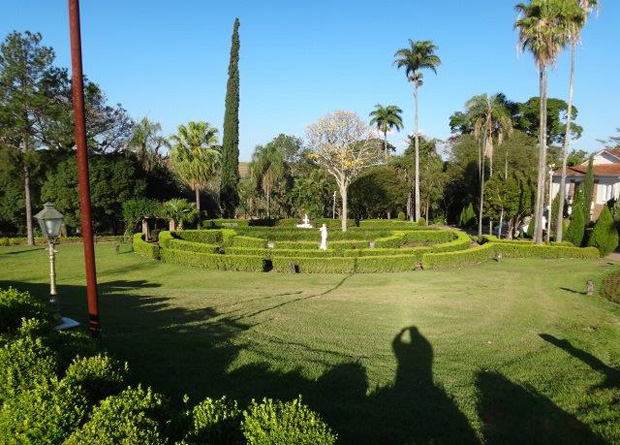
[179,212]
[588,189]
[468,216]
[312,193]
[577,157]
[386,119]
[376,192]
[542,29]
[25,65]
[230,146]
[490,121]
[114,180]
[576,23]
[418,56]
[268,169]
[193,156]
[146,141]
[605,235]
[527,119]
[136,210]
[340,143]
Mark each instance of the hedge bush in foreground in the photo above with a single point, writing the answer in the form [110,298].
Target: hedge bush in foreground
[605,235]
[215,421]
[459,258]
[200,236]
[611,286]
[131,418]
[512,250]
[277,423]
[15,305]
[392,263]
[99,376]
[147,250]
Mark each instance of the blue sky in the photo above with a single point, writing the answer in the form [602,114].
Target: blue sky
[302,59]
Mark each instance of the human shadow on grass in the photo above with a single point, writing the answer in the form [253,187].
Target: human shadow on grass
[201,352]
[612,375]
[573,291]
[515,414]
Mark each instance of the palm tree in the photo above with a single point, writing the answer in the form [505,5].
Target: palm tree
[420,55]
[178,211]
[268,168]
[147,141]
[543,31]
[193,157]
[491,121]
[386,119]
[576,24]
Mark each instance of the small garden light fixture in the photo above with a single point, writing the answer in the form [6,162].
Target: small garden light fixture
[50,221]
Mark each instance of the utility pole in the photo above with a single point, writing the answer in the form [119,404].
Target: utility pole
[82,165]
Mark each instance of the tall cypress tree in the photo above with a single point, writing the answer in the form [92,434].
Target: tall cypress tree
[588,189]
[229,197]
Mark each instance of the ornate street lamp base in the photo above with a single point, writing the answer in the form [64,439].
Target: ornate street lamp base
[66,323]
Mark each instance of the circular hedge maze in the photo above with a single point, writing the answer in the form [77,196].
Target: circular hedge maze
[382,246]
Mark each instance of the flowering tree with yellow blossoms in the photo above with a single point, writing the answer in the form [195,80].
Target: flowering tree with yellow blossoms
[343,144]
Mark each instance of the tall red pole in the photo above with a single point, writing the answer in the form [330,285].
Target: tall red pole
[82,165]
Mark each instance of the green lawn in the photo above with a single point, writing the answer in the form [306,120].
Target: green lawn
[500,352]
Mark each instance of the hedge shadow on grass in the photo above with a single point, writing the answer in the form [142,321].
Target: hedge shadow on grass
[514,414]
[612,375]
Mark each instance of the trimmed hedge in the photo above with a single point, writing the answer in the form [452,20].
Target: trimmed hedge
[459,258]
[511,250]
[391,263]
[200,236]
[611,286]
[400,237]
[248,241]
[314,265]
[214,261]
[191,246]
[22,240]
[147,250]
[461,242]
[273,253]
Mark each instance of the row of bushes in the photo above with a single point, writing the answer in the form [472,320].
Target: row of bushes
[147,250]
[318,222]
[399,238]
[491,250]
[22,240]
[59,387]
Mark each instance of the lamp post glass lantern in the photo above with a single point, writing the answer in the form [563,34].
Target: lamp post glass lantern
[50,221]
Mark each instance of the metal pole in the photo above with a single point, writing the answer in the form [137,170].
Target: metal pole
[54,305]
[82,164]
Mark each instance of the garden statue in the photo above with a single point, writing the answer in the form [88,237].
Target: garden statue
[323,230]
[306,223]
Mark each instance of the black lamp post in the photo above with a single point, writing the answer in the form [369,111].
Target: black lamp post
[50,221]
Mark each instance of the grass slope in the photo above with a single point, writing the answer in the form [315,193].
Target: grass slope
[508,352]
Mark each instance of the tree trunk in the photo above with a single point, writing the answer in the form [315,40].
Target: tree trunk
[385,145]
[29,230]
[171,226]
[481,212]
[542,158]
[501,223]
[410,206]
[343,195]
[197,193]
[569,115]
[417,156]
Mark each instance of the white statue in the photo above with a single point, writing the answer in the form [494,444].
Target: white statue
[306,223]
[323,230]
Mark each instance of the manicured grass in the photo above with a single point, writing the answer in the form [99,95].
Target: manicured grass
[508,352]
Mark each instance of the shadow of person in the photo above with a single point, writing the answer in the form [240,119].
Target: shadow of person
[416,410]
[513,414]
[612,375]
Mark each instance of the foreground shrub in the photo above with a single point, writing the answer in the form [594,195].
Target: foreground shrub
[214,261]
[459,258]
[15,305]
[132,417]
[277,423]
[99,376]
[604,236]
[215,421]
[24,363]
[46,413]
[611,286]
[314,265]
[577,227]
